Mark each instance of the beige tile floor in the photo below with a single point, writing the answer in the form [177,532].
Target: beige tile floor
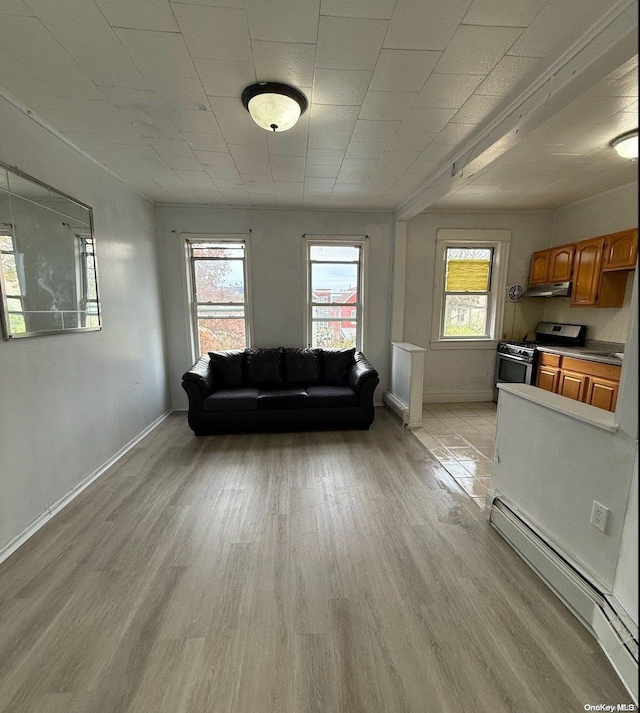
[462,437]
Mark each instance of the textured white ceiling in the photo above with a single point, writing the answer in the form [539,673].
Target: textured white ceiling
[567,158]
[151,89]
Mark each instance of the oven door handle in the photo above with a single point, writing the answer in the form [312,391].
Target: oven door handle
[512,357]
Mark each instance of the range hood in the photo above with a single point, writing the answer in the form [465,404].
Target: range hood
[549,289]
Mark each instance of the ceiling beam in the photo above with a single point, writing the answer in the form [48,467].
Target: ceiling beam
[606,47]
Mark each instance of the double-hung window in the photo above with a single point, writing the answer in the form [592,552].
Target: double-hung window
[335,293]
[470,286]
[218,271]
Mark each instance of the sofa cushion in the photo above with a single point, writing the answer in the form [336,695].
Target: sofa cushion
[264,367]
[228,368]
[272,399]
[336,364]
[302,366]
[242,399]
[331,396]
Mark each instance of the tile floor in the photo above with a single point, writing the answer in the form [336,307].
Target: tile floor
[462,437]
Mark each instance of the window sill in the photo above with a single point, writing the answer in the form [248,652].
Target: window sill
[463,344]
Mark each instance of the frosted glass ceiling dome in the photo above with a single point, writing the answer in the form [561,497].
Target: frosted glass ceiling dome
[627,144]
[274,106]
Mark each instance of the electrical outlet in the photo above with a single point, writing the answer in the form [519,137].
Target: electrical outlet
[497,456]
[599,516]
[416,332]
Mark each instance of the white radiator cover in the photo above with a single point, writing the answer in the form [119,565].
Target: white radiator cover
[405,390]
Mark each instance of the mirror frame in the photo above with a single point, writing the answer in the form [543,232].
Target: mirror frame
[4,310]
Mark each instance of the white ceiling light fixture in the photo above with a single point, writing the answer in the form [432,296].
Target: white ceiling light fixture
[274,106]
[627,144]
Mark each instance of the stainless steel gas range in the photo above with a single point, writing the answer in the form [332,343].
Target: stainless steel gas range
[517,361]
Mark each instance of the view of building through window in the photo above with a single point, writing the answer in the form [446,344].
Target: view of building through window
[218,276]
[11,280]
[88,307]
[467,286]
[334,298]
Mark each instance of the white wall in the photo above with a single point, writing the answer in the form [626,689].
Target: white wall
[277,276]
[606,213]
[625,586]
[467,374]
[69,402]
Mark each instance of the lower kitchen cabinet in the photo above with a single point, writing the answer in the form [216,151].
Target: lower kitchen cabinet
[572,385]
[591,382]
[548,378]
[548,372]
[602,393]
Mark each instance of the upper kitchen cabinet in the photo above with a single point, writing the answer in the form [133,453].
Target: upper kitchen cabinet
[587,271]
[561,263]
[597,268]
[592,287]
[539,267]
[551,265]
[621,250]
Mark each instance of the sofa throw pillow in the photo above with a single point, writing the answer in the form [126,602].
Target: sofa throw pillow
[336,364]
[302,366]
[264,367]
[228,368]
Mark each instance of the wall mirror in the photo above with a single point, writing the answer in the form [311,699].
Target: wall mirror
[48,277]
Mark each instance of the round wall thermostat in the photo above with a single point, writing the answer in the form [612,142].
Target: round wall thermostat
[515,293]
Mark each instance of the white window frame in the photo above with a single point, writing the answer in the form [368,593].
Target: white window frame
[497,240]
[359,241]
[234,238]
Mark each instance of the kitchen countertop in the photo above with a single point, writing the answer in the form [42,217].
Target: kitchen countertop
[591,352]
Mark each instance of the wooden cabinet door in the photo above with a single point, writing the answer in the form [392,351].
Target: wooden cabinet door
[561,263]
[587,272]
[602,393]
[621,250]
[539,271]
[548,377]
[572,385]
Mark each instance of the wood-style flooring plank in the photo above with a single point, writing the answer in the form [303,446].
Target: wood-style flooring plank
[320,572]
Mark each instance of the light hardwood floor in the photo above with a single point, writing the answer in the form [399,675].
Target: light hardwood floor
[337,572]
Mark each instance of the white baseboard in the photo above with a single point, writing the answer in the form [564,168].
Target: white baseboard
[590,605]
[451,397]
[55,508]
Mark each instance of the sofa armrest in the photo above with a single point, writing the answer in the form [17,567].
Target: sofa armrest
[200,375]
[361,372]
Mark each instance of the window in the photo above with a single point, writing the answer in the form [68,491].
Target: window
[334,293]
[12,279]
[467,284]
[219,301]
[88,306]
[470,286]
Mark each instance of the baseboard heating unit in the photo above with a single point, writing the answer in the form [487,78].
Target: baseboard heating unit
[615,632]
